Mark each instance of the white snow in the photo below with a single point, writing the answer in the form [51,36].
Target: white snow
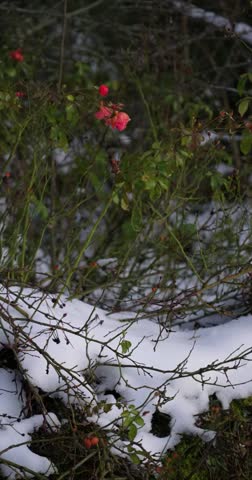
[15,430]
[59,344]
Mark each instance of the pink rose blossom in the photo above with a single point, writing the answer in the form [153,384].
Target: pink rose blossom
[112,116]
[118,121]
[104,112]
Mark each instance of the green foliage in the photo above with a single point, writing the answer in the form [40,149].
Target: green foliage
[243,106]
[246,142]
[242,83]
[125,346]
[131,421]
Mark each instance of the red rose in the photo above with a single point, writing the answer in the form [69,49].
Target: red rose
[103,90]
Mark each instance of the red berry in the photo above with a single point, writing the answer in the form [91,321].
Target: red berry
[94,441]
[93,264]
[87,443]
[175,455]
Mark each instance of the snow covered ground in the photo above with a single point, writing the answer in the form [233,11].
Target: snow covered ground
[58,342]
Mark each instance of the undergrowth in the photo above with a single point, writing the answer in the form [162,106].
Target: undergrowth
[150,223]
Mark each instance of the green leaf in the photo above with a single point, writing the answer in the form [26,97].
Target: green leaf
[107,407]
[130,448]
[179,160]
[139,421]
[40,208]
[149,182]
[58,137]
[156,145]
[216,181]
[135,459]
[243,106]
[132,432]
[246,143]
[116,198]
[11,72]
[125,346]
[5,96]
[146,154]
[163,183]
[155,194]
[72,114]
[136,218]
[241,84]
[125,203]
[186,140]
[82,69]
[96,183]
[188,229]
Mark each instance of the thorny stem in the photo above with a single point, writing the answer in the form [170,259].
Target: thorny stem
[85,246]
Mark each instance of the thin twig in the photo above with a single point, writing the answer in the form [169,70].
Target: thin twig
[81,10]
[62,49]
